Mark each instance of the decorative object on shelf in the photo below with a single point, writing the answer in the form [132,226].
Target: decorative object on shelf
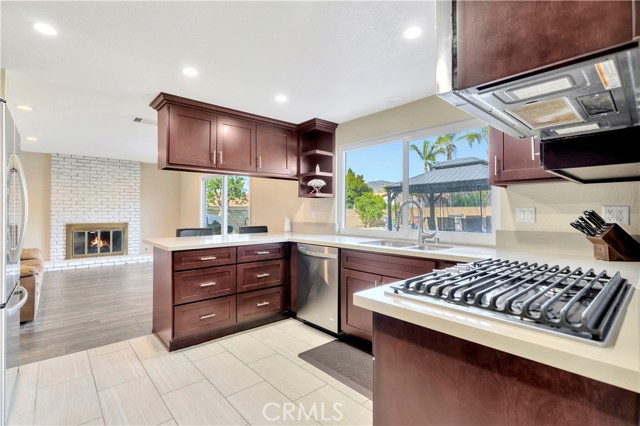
[317,168]
[316,185]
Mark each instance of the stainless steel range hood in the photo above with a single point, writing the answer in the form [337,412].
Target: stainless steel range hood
[597,94]
[585,111]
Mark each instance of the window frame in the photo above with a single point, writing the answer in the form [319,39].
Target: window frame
[472,238]
[224,210]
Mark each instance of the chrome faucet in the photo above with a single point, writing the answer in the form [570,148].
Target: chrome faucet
[423,237]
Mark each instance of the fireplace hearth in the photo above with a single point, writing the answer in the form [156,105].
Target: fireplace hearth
[96,239]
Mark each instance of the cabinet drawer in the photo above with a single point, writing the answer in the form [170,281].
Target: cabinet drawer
[400,267]
[256,275]
[200,284]
[261,303]
[192,259]
[200,317]
[261,252]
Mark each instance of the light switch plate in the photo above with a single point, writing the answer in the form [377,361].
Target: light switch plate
[525,215]
[616,214]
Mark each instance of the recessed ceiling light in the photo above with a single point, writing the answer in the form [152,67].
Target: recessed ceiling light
[25,107]
[190,72]
[32,139]
[412,32]
[281,98]
[394,99]
[45,29]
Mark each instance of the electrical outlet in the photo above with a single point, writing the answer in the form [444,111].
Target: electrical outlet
[616,214]
[525,215]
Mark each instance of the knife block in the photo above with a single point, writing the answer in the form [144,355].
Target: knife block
[614,243]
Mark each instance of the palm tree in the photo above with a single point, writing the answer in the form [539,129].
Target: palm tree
[428,153]
[448,143]
[476,137]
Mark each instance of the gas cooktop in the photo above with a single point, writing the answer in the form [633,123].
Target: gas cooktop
[574,302]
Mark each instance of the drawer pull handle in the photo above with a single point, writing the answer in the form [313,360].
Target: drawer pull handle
[203,259]
[203,317]
[262,304]
[208,284]
[262,275]
[263,252]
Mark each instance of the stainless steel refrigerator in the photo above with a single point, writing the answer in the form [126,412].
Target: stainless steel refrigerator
[13,208]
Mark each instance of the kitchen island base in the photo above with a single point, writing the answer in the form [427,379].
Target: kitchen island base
[424,377]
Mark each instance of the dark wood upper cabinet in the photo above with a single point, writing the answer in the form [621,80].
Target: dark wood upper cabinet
[513,160]
[199,137]
[236,144]
[277,150]
[193,136]
[498,39]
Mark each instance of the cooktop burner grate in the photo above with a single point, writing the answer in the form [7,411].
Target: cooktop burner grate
[575,301]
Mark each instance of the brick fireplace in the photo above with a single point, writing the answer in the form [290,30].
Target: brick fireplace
[94,191]
[96,239]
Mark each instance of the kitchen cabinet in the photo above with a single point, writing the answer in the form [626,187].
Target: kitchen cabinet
[317,146]
[277,150]
[192,136]
[200,137]
[498,39]
[513,160]
[202,294]
[420,376]
[236,144]
[362,271]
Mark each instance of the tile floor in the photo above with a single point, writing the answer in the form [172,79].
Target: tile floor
[250,378]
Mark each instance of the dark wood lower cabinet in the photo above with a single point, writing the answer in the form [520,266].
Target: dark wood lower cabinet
[199,295]
[362,271]
[424,377]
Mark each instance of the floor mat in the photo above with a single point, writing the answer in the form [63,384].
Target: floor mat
[345,363]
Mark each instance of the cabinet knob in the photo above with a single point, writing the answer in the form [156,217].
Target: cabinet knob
[262,275]
[263,252]
[213,157]
[533,150]
[208,284]
[259,161]
[262,304]
[495,165]
[220,155]
[204,259]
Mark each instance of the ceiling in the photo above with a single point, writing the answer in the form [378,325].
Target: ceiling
[333,60]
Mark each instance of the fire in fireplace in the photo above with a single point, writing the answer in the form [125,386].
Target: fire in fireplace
[96,239]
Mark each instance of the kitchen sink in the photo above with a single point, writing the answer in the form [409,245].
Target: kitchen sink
[430,247]
[388,243]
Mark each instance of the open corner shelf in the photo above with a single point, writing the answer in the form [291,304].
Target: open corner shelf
[316,174]
[315,195]
[316,152]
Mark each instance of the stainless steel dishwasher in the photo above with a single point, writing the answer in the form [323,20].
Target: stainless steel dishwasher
[318,286]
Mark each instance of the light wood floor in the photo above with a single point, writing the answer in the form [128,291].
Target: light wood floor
[87,308]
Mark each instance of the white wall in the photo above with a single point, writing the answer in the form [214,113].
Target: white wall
[159,206]
[37,170]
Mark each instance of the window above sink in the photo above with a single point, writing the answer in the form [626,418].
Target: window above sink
[444,169]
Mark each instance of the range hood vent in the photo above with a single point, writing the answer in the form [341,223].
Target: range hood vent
[597,158]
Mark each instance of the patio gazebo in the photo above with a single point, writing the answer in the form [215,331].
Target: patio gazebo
[467,174]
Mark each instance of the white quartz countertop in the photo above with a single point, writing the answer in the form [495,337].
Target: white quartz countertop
[617,364]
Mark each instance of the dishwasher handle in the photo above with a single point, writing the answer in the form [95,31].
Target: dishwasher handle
[322,255]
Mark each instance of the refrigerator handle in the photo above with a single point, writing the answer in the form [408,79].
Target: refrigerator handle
[15,309]
[15,166]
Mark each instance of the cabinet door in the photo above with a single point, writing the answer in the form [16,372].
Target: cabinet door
[355,320]
[236,144]
[497,39]
[513,160]
[192,137]
[277,150]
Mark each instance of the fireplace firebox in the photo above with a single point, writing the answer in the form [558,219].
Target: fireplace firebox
[96,239]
